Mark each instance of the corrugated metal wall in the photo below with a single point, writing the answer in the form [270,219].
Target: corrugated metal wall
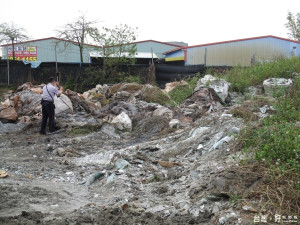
[65,53]
[241,52]
[70,52]
[158,48]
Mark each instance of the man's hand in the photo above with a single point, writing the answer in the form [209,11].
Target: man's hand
[60,92]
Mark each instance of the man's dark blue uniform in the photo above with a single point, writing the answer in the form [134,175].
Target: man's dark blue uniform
[48,111]
[48,107]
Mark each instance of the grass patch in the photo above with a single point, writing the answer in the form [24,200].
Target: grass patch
[244,113]
[181,92]
[275,143]
[154,94]
[85,129]
[277,139]
[243,77]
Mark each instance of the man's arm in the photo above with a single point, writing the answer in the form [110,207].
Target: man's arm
[60,92]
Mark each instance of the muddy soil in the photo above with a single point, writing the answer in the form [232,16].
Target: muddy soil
[186,176]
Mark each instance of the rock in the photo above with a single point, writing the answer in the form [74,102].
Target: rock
[164,111]
[63,104]
[264,109]
[220,86]
[123,120]
[79,103]
[129,109]
[156,209]
[7,103]
[121,164]
[25,119]
[31,103]
[219,183]
[37,90]
[170,86]
[273,85]
[110,178]
[150,124]
[121,96]
[8,114]
[220,142]
[3,174]
[93,177]
[215,209]
[25,86]
[167,164]
[174,123]
[110,130]
[11,127]
[200,102]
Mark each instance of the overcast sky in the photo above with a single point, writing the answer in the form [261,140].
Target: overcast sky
[191,21]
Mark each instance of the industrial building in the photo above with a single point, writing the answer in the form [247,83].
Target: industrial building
[48,50]
[244,52]
[63,51]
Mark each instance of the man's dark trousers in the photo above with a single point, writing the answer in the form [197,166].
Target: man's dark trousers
[48,111]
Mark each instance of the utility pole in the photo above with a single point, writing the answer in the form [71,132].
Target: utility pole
[55,57]
[7,65]
[152,55]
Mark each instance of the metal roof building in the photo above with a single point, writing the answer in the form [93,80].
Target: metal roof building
[242,52]
[48,50]
[55,49]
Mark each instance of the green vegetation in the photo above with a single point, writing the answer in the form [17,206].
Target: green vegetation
[243,77]
[293,25]
[85,129]
[154,178]
[155,95]
[277,139]
[181,92]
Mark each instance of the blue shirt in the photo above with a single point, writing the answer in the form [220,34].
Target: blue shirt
[52,90]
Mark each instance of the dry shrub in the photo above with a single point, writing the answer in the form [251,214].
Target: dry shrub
[131,88]
[155,95]
[277,191]
[244,113]
[115,88]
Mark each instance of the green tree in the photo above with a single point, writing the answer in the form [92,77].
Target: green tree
[117,48]
[13,34]
[78,32]
[293,25]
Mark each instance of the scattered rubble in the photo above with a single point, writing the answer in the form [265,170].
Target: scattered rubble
[141,161]
[170,86]
[220,86]
[273,85]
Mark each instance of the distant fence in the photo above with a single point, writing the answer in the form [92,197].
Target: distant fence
[20,73]
[168,73]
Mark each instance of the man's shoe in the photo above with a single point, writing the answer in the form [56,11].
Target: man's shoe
[42,133]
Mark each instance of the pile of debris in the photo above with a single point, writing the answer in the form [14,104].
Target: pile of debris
[141,161]
[25,104]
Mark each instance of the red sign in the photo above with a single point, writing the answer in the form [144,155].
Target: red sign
[28,53]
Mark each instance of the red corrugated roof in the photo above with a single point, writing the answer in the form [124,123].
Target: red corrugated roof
[223,42]
[160,42]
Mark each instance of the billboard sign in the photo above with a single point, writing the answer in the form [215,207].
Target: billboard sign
[28,53]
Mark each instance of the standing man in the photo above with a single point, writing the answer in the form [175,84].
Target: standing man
[48,108]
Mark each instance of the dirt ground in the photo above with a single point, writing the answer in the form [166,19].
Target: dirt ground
[48,177]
